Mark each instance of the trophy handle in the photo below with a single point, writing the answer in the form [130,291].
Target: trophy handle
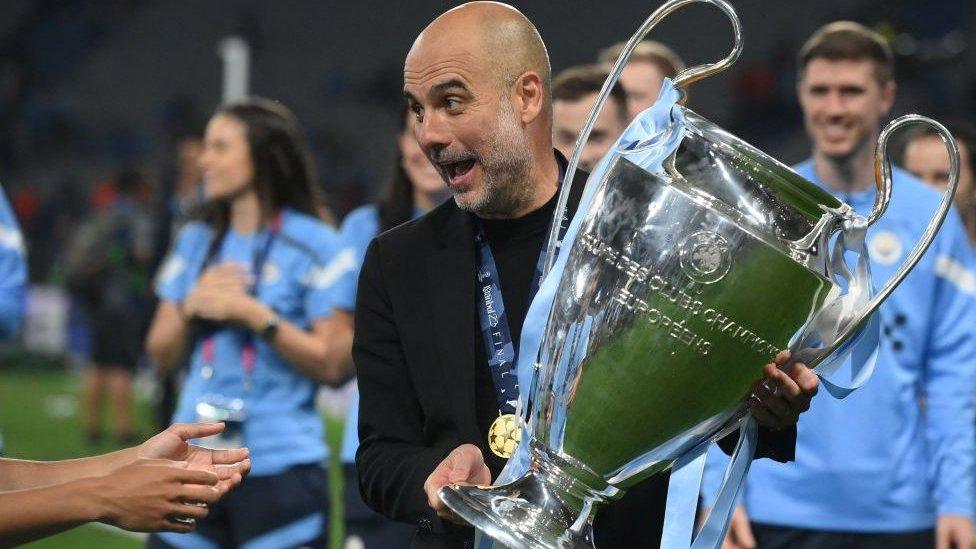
[882,174]
[681,80]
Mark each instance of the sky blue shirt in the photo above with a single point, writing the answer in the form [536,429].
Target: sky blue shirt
[282,427]
[357,231]
[13,271]
[878,461]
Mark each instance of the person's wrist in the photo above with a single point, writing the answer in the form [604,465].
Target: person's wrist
[127,456]
[258,316]
[185,309]
[88,499]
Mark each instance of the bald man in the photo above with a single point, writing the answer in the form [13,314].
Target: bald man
[440,295]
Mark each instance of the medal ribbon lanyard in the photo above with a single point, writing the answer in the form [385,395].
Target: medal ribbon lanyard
[248,351]
[499,345]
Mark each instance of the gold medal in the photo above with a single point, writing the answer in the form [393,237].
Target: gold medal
[504,435]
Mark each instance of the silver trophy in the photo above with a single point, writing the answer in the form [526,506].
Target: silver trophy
[682,280]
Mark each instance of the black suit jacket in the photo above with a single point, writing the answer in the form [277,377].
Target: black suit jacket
[414,354]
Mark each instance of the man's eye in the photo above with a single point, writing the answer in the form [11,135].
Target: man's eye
[452,103]
[418,112]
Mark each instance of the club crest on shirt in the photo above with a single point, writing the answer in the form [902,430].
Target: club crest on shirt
[885,248]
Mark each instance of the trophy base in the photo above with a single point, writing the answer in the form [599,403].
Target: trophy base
[526,514]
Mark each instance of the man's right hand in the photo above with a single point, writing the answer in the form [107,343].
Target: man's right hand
[740,533]
[464,465]
[154,495]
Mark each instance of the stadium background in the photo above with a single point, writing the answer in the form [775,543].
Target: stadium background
[90,88]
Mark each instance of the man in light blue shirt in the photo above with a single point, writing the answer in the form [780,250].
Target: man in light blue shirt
[892,464]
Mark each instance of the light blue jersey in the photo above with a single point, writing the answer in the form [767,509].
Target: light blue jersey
[13,272]
[898,452]
[282,427]
[357,231]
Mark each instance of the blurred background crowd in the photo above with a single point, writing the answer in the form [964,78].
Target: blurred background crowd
[103,104]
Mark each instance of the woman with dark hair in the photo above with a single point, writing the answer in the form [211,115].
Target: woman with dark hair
[415,188]
[247,293]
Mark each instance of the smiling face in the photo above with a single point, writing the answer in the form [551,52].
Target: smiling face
[568,120]
[226,158]
[843,102]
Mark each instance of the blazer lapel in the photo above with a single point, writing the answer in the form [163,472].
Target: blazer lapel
[451,295]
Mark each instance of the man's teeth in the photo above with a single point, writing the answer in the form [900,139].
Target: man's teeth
[835,130]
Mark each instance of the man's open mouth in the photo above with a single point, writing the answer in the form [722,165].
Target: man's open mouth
[457,170]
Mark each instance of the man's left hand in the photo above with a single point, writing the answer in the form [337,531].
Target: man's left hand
[230,466]
[954,532]
[778,399]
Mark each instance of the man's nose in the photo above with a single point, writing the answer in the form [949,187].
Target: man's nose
[589,157]
[834,104]
[432,133]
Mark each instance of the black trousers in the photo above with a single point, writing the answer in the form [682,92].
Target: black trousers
[774,537]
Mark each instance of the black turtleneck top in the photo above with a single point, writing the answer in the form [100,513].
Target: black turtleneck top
[516,245]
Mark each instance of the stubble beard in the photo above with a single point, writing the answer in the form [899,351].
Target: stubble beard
[506,166]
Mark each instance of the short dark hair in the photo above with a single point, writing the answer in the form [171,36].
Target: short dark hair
[575,83]
[648,51]
[847,40]
[963,132]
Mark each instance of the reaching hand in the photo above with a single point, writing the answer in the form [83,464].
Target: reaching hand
[153,495]
[778,400]
[464,465]
[230,466]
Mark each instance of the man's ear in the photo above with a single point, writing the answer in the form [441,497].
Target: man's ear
[529,96]
[887,96]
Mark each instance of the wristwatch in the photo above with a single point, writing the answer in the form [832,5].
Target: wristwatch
[270,330]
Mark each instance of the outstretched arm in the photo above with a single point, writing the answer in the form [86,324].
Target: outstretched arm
[145,496]
[171,444]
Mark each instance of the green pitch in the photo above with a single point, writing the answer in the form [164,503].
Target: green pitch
[40,418]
